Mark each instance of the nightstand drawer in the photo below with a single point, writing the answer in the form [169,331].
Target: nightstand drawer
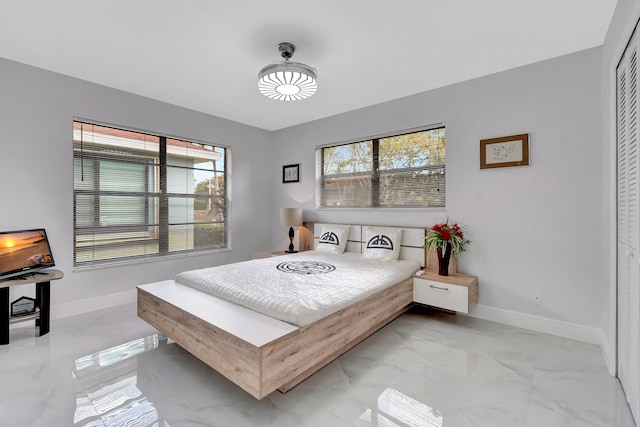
[443,295]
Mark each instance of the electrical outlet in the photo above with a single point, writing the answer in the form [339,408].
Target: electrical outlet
[537,298]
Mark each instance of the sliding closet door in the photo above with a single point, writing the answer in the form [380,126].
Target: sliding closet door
[628,120]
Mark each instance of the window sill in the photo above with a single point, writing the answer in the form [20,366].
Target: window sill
[148,260]
[370,209]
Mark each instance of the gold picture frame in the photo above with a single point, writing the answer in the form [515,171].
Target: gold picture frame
[504,152]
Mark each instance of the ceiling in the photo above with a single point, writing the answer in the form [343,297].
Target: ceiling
[205,54]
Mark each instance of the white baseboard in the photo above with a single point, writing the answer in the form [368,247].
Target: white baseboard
[88,305]
[607,354]
[59,311]
[540,324]
[522,320]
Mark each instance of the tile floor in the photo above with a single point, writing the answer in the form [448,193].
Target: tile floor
[430,369]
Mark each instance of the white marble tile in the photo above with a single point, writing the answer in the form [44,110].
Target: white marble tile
[575,397]
[424,369]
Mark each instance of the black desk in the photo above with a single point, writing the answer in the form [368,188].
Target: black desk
[42,280]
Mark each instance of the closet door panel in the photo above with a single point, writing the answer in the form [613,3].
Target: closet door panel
[628,224]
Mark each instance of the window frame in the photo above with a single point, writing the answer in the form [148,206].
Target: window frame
[375,172]
[160,194]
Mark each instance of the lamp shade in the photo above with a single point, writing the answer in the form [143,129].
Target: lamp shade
[291,217]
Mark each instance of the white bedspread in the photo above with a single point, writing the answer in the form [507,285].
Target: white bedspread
[299,288]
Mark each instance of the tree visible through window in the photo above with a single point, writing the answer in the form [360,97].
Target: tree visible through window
[138,195]
[397,171]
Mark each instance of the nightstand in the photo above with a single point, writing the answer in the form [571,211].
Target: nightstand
[455,292]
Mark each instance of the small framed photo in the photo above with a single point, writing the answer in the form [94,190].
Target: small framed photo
[23,306]
[291,173]
[504,152]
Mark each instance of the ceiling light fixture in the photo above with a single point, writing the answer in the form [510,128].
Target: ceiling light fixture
[287,81]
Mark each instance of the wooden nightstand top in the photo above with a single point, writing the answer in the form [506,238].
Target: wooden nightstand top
[452,279]
[280,253]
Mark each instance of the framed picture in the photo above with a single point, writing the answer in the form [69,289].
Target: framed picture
[291,173]
[504,152]
[22,306]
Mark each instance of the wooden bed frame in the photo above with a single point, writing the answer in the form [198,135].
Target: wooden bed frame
[261,354]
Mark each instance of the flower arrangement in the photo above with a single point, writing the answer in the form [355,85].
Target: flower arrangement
[445,238]
[445,234]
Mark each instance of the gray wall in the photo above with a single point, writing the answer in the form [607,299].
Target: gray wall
[533,229]
[36,172]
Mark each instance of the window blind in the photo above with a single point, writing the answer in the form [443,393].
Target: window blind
[139,196]
[405,170]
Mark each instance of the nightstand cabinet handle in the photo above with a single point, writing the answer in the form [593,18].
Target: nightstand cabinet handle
[438,287]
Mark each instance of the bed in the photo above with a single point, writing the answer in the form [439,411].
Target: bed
[266,351]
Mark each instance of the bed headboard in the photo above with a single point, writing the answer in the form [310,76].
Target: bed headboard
[412,246]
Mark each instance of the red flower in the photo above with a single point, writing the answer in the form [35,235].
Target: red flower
[446,234]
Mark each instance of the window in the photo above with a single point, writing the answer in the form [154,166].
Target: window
[139,196]
[405,170]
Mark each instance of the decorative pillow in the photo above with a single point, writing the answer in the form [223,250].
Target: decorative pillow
[382,243]
[333,239]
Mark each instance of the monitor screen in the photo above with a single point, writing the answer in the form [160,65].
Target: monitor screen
[23,252]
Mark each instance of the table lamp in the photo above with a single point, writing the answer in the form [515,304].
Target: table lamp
[291,217]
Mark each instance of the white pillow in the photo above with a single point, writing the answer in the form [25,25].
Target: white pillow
[382,243]
[333,239]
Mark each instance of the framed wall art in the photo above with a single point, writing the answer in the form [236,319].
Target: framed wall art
[504,152]
[291,173]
